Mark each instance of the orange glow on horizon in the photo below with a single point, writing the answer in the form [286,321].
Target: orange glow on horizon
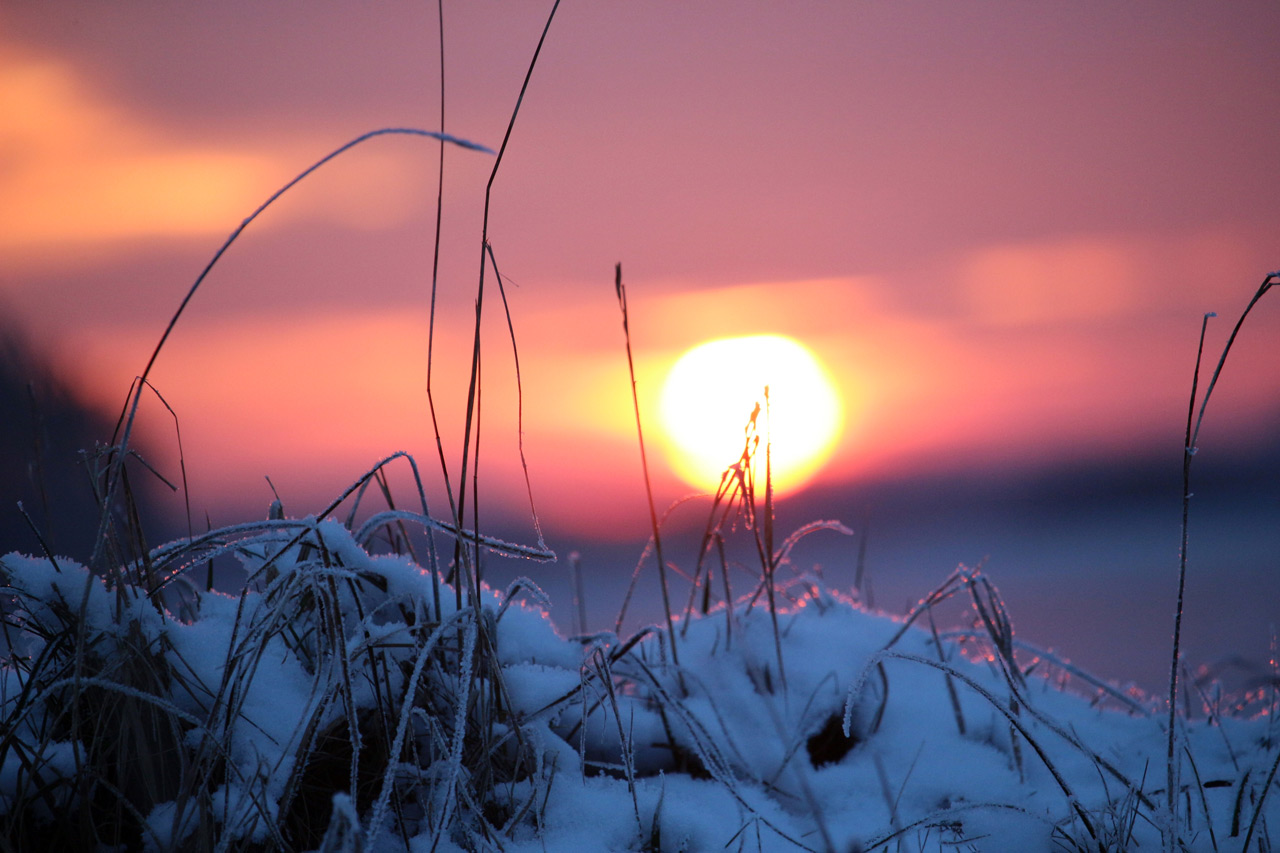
[314,401]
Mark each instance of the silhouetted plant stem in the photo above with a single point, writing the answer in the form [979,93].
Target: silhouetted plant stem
[771,563]
[515,357]
[431,330]
[644,463]
[1194,421]
[125,427]
[473,387]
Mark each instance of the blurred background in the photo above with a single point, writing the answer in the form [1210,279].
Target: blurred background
[998,225]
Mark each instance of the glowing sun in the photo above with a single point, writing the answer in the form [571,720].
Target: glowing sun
[708,397]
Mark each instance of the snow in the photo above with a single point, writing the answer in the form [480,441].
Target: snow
[867,734]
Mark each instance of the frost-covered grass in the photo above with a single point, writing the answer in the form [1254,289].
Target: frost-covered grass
[342,701]
[363,690]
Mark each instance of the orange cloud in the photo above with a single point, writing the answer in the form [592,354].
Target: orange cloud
[81,172]
[1069,281]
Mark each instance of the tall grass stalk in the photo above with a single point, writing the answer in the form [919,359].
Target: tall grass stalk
[473,388]
[431,315]
[1194,422]
[115,471]
[621,291]
[770,564]
[515,358]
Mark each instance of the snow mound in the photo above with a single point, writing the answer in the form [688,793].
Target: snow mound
[346,701]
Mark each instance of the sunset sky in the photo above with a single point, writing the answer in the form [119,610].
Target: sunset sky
[998,224]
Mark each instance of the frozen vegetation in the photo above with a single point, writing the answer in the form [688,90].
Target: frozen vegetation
[345,701]
[357,693]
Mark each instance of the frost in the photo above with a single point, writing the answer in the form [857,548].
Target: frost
[881,730]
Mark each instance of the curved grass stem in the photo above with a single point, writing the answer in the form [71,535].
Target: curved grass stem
[1194,422]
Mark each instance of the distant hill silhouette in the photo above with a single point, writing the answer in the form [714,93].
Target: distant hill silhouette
[43,429]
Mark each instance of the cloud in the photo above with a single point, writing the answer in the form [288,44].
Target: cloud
[80,172]
[1079,280]
[1124,277]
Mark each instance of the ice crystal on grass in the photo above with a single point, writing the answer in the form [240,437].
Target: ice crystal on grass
[326,709]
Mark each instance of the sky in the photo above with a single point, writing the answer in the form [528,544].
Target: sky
[997,224]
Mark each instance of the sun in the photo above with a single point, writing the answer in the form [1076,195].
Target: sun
[711,391]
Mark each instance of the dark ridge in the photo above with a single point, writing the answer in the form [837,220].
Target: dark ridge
[43,429]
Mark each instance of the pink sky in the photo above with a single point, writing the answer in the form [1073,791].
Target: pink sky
[998,223]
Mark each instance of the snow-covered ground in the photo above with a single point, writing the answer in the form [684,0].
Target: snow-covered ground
[810,725]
